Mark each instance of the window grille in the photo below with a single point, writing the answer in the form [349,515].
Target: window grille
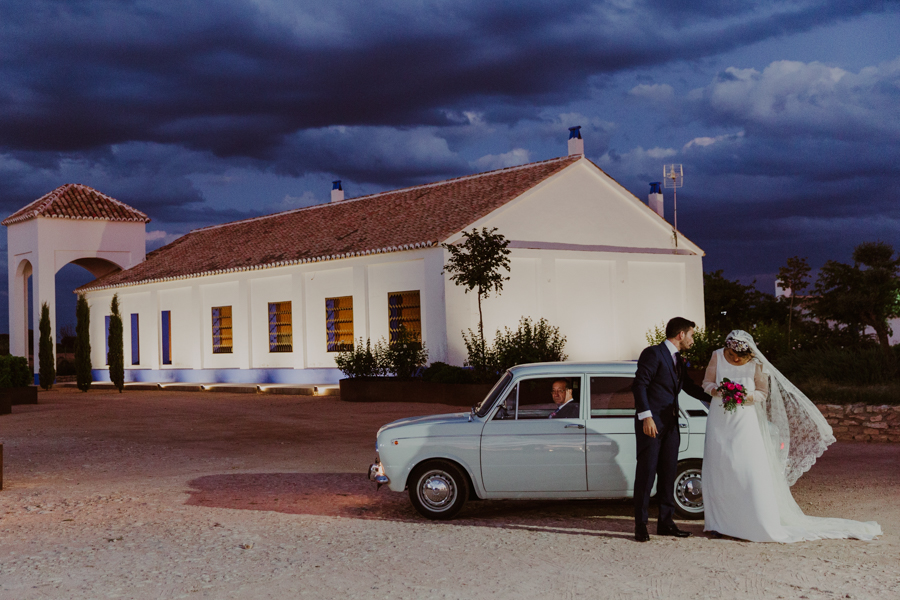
[404,314]
[339,323]
[280,327]
[166,337]
[221,330]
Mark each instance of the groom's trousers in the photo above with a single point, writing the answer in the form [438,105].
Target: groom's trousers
[657,458]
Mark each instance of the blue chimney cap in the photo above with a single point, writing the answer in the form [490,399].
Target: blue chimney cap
[575,133]
[336,185]
[654,187]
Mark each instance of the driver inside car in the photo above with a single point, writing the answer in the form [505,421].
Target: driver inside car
[566,407]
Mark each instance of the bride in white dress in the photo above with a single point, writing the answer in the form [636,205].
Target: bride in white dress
[754,454]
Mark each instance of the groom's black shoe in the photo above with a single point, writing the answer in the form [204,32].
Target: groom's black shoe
[672,529]
[640,532]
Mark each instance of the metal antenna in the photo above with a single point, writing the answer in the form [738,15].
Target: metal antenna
[673,177]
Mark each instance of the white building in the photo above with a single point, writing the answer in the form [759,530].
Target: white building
[272,299]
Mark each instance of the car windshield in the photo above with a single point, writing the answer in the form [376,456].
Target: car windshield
[484,406]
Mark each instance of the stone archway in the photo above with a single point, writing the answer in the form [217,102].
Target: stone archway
[72,224]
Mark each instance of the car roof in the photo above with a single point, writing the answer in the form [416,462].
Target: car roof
[553,368]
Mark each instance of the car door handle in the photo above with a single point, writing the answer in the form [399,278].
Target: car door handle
[576,425]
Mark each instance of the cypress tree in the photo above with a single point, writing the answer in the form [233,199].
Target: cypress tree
[46,368]
[116,347]
[83,376]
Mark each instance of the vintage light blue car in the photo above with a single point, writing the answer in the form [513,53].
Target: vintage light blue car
[508,446]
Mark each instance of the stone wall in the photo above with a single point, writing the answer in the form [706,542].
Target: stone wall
[863,423]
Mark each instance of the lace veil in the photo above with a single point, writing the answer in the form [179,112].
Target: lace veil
[795,431]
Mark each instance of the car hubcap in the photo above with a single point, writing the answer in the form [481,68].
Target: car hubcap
[436,490]
[689,491]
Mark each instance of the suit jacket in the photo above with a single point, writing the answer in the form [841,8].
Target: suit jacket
[569,410]
[657,382]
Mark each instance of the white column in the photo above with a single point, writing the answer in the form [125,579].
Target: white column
[203,317]
[43,284]
[360,302]
[298,317]
[547,288]
[621,313]
[434,307]
[245,309]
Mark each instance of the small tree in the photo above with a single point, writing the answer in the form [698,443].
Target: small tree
[794,276]
[475,264]
[83,376]
[116,356]
[46,368]
[864,293]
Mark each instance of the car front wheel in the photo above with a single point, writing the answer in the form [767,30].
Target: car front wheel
[689,490]
[438,489]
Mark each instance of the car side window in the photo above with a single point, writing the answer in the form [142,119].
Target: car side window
[533,399]
[612,397]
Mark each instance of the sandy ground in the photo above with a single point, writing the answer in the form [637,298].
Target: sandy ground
[202,495]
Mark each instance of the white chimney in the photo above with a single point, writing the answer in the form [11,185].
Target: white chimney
[576,144]
[337,192]
[655,199]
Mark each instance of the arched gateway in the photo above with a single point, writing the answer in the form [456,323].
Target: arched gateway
[72,224]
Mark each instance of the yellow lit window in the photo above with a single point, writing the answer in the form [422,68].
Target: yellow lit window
[280,327]
[339,323]
[221,330]
[404,314]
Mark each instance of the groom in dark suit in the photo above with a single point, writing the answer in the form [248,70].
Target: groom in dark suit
[661,375]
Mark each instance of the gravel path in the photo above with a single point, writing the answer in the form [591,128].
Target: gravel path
[215,495]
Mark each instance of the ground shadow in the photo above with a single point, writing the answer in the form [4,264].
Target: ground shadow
[351,495]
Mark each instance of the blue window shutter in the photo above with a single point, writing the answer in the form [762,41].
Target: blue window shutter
[166,337]
[135,341]
[106,340]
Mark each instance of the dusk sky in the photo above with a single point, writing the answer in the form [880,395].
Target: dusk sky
[785,115]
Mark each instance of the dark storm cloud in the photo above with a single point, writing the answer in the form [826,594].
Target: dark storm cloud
[236,78]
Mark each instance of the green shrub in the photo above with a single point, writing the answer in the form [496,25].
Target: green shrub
[405,356]
[46,368]
[364,360]
[65,368]
[440,372]
[825,392]
[14,372]
[844,366]
[529,343]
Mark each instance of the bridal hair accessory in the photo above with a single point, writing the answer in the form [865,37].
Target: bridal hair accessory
[733,394]
[737,345]
[795,431]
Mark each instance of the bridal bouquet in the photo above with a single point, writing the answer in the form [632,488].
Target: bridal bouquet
[733,394]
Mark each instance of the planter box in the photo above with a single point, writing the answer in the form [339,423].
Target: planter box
[19,395]
[22,395]
[388,389]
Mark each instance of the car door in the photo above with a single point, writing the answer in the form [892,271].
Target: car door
[523,449]
[611,448]
[609,435]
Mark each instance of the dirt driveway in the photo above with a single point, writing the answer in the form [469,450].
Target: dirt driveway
[214,495]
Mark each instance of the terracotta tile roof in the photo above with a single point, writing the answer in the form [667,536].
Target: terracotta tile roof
[405,219]
[76,201]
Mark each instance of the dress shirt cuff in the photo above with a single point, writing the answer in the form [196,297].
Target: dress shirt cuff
[643,415]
